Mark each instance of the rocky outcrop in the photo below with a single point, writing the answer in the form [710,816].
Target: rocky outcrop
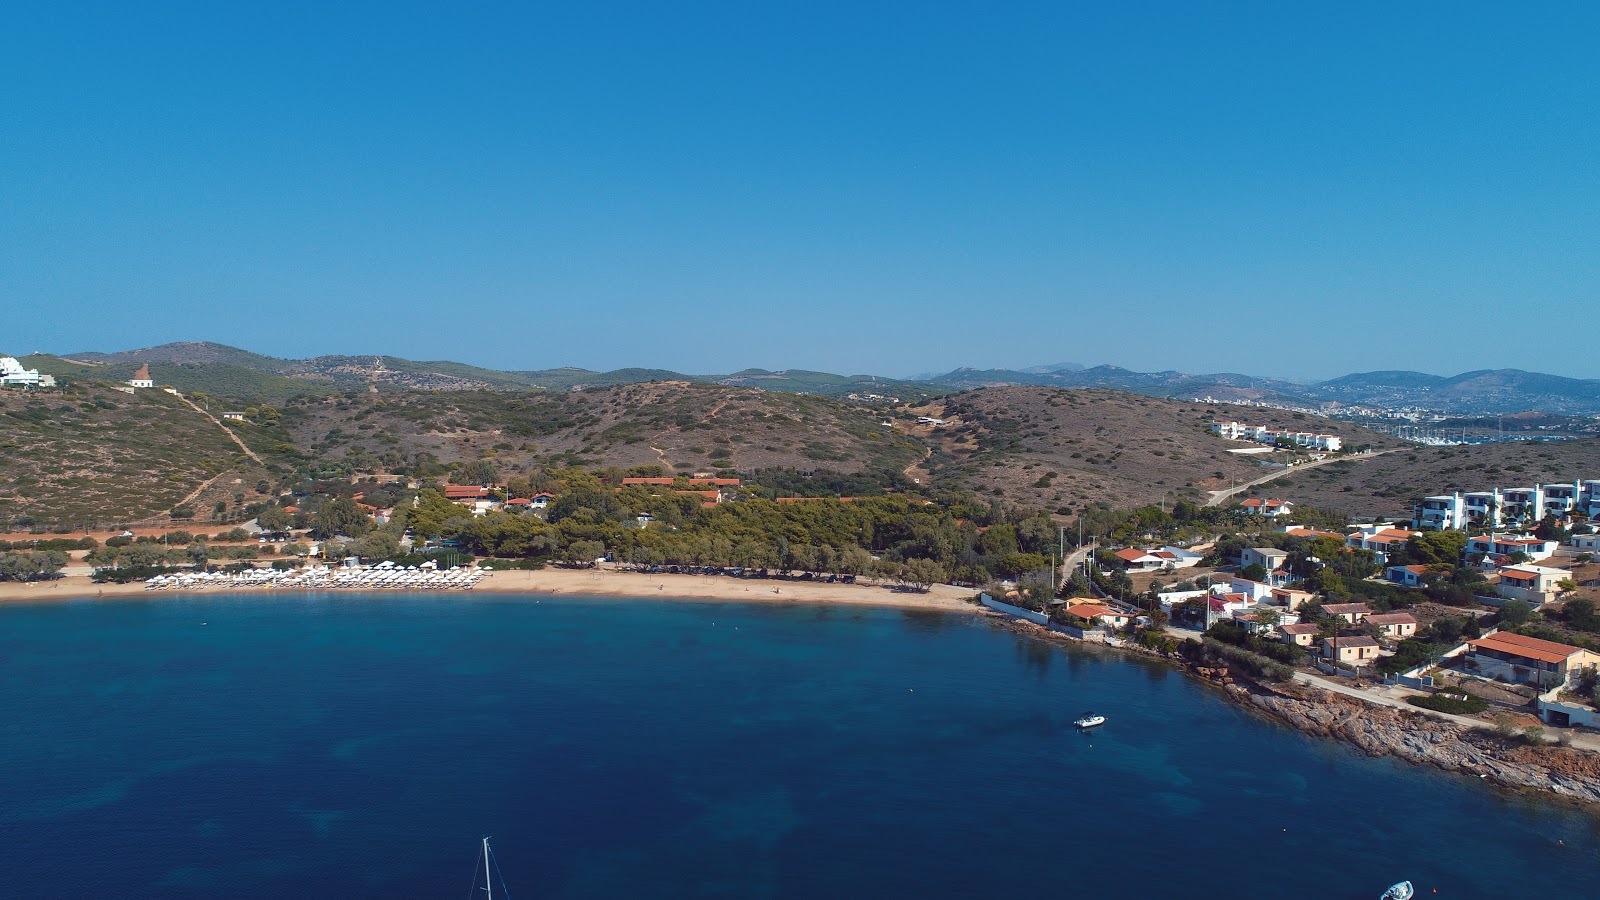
[1416,738]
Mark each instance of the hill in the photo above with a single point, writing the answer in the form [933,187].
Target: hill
[92,456]
[229,372]
[681,426]
[800,381]
[1390,484]
[1059,449]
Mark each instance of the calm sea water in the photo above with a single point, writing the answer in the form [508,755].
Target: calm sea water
[360,747]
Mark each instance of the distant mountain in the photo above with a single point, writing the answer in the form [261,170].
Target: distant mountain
[1366,381]
[1482,391]
[232,372]
[1053,368]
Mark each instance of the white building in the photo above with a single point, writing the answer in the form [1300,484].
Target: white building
[1272,509]
[1269,558]
[1238,431]
[141,378]
[1535,584]
[1502,506]
[12,374]
[1493,546]
[1382,540]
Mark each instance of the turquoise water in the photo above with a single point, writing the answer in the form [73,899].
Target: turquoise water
[360,746]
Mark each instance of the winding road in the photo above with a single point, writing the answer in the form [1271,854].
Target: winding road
[1218,496]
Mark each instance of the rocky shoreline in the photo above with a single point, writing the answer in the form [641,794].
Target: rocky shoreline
[1424,740]
[1415,737]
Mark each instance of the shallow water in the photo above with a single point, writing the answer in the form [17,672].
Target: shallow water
[270,746]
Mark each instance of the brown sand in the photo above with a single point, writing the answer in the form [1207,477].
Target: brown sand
[584,582]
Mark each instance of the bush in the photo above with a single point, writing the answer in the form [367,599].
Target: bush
[1253,663]
[1451,702]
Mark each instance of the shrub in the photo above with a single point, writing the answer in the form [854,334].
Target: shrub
[1253,663]
[1451,703]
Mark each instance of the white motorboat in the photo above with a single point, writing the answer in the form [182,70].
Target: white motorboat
[1089,720]
[1401,891]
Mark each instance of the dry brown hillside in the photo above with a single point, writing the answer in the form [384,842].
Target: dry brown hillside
[93,457]
[684,426]
[1059,449]
[1390,484]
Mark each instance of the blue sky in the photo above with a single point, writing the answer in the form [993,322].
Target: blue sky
[1287,189]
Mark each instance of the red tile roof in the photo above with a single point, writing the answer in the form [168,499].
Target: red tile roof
[1398,618]
[1353,640]
[1526,647]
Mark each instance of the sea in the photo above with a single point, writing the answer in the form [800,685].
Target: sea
[271,746]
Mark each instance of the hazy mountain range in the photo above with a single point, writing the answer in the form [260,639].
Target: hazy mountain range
[232,372]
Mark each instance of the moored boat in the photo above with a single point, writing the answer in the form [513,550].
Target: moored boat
[1401,891]
[1089,720]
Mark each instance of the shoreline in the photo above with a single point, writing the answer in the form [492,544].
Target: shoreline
[1570,774]
[1549,771]
[552,582]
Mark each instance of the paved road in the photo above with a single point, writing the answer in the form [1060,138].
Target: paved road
[1394,696]
[1218,496]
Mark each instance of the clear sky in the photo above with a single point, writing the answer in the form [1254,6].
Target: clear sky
[1275,188]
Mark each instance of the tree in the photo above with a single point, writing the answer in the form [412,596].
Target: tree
[1431,547]
[922,573]
[31,566]
[1254,572]
[341,516]
[1515,612]
[478,471]
[273,519]
[377,544]
[855,561]
[585,552]
[431,512]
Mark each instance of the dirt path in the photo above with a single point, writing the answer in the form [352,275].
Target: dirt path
[916,472]
[225,430]
[1218,496]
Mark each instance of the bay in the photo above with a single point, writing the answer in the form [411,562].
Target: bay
[270,746]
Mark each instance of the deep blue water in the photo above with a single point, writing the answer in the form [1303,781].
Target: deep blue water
[360,747]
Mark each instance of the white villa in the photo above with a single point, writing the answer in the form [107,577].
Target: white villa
[12,374]
[1499,545]
[1502,506]
[1261,434]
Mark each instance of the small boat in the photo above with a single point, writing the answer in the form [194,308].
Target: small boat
[1401,891]
[1089,720]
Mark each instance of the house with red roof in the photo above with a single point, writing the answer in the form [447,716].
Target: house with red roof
[1380,539]
[1271,509]
[1397,625]
[1410,576]
[1350,612]
[1096,612]
[1355,650]
[1499,548]
[1289,598]
[1535,584]
[1527,660]
[1300,634]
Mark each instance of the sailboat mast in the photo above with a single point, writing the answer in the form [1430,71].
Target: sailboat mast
[488,877]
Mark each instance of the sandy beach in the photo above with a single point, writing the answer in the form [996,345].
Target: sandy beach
[581,582]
